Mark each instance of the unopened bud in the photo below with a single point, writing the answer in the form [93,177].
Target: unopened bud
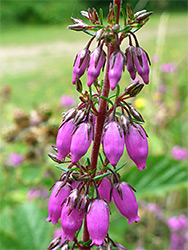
[131,87]
[135,91]
[144,16]
[111,15]
[78,85]
[130,12]
[136,114]
[138,13]
[84,14]
[65,247]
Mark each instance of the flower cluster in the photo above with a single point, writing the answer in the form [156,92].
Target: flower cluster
[108,123]
[71,202]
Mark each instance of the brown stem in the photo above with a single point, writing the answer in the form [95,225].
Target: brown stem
[101,116]
[85,234]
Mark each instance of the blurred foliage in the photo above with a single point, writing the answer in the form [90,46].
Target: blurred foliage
[59,11]
[43,12]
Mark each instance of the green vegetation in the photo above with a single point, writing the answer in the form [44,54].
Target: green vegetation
[37,66]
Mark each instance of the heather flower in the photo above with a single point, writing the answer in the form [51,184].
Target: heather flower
[113,142]
[177,242]
[55,201]
[117,64]
[168,67]
[64,137]
[67,101]
[81,141]
[137,145]
[98,221]
[80,64]
[141,63]
[125,201]
[130,63]
[104,189]
[71,221]
[97,61]
[179,153]
[15,159]
[177,223]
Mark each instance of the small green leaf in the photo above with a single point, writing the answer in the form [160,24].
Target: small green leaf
[67,169]
[124,15]
[107,99]
[117,91]
[101,16]
[88,32]
[112,96]
[125,29]
[90,92]
[91,191]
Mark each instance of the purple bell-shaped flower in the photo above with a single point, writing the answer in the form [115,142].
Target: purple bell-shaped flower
[125,201]
[63,141]
[55,201]
[117,64]
[104,189]
[113,142]
[130,63]
[141,63]
[71,221]
[81,140]
[80,64]
[137,145]
[97,61]
[98,221]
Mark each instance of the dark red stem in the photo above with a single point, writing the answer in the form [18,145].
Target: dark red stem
[101,115]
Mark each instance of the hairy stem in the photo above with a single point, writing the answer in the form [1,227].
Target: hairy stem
[101,116]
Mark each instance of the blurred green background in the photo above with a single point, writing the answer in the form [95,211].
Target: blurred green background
[37,52]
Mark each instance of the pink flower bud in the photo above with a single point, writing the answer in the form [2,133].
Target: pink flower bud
[71,221]
[104,189]
[55,201]
[113,142]
[126,204]
[81,141]
[117,62]
[97,60]
[80,64]
[141,63]
[130,63]
[64,138]
[137,146]
[98,221]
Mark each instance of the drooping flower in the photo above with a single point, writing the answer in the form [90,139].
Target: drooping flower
[130,62]
[104,189]
[97,61]
[113,142]
[71,221]
[55,201]
[117,64]
[125,201]
[81,140]
[178,223]
[98,221]
[80,64]
[137,145]
[141,63]
[64,137]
